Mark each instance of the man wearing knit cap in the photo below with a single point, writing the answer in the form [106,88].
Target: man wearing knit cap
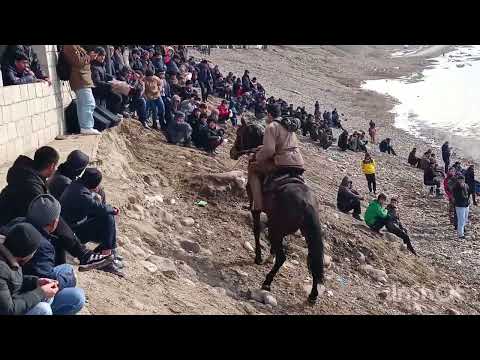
[29,295]
[26,179]
[179,131]
[68,171]
[89,218]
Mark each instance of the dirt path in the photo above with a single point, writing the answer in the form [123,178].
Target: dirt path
[204,266]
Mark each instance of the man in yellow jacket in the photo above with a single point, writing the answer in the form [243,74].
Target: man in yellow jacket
[368,168]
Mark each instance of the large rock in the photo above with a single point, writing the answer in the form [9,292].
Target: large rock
[191,246]
[136,250]
[165,266]
[212,185]
[149,266]
[188,221]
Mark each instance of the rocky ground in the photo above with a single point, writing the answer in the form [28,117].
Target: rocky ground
[182,258]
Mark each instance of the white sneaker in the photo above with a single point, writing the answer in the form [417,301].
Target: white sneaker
[90,132]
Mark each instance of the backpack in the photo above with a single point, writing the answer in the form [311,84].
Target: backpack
[63,67]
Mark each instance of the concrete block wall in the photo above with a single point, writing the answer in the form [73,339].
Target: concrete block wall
[32,115]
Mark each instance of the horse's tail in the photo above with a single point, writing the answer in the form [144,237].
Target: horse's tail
[314,235]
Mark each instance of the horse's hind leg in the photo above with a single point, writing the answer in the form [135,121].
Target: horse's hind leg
[280,258]
[256,233]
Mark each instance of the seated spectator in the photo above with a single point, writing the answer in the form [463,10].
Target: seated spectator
[77,161]
[211,137]
[155,106]
[187,106]
[343,140]
[223,112]
[44,214]
[433,176]
[257,88]
[325,138]
[385,146]
[90,218]
[26,179]
[199,129]
[187,91]
[413,159]
[353,142]
[19,72]
[179,131]
[349,199]
[395,227]
[9,59]
[260,109]
[376,216]
[216,73]
[362,141]
[29,295]
[220,87]
[102,92]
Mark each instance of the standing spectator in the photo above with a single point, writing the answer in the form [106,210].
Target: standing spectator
[102,92]
[18,73]
[81,83]
[246,82]
[137,93]
[372,131]
[25,294]
[153,90]
[470,181]
[446,150]
[205,79]
[462,202]
[448,185]
[368,167]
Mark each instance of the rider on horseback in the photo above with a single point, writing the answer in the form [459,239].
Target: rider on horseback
[278,154]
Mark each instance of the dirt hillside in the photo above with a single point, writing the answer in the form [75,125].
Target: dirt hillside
[185,259]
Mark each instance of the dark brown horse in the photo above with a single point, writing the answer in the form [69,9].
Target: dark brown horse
[289,209]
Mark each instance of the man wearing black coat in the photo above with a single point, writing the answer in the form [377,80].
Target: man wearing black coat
[446,152]
[343,140]
[90,218]
[349,199]
[102,92]
[26,179]
[18,73]
[9,59]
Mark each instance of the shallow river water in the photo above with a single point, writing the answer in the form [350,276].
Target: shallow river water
[441,103]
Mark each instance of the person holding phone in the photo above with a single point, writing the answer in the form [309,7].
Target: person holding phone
[30,295]
[90,218]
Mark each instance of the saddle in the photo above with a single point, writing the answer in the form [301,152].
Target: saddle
[277,181]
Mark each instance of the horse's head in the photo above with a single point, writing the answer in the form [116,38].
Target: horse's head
[249,137]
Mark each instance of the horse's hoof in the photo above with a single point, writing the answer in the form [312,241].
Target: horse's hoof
[312,300]
[266,287]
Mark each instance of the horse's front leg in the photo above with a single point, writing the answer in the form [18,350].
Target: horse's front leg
[256,234]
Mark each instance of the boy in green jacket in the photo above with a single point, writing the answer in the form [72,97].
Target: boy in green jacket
[376,215]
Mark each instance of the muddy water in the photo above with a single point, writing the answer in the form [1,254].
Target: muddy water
[442,102]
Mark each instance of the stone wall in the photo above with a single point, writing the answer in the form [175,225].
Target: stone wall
[32,115]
